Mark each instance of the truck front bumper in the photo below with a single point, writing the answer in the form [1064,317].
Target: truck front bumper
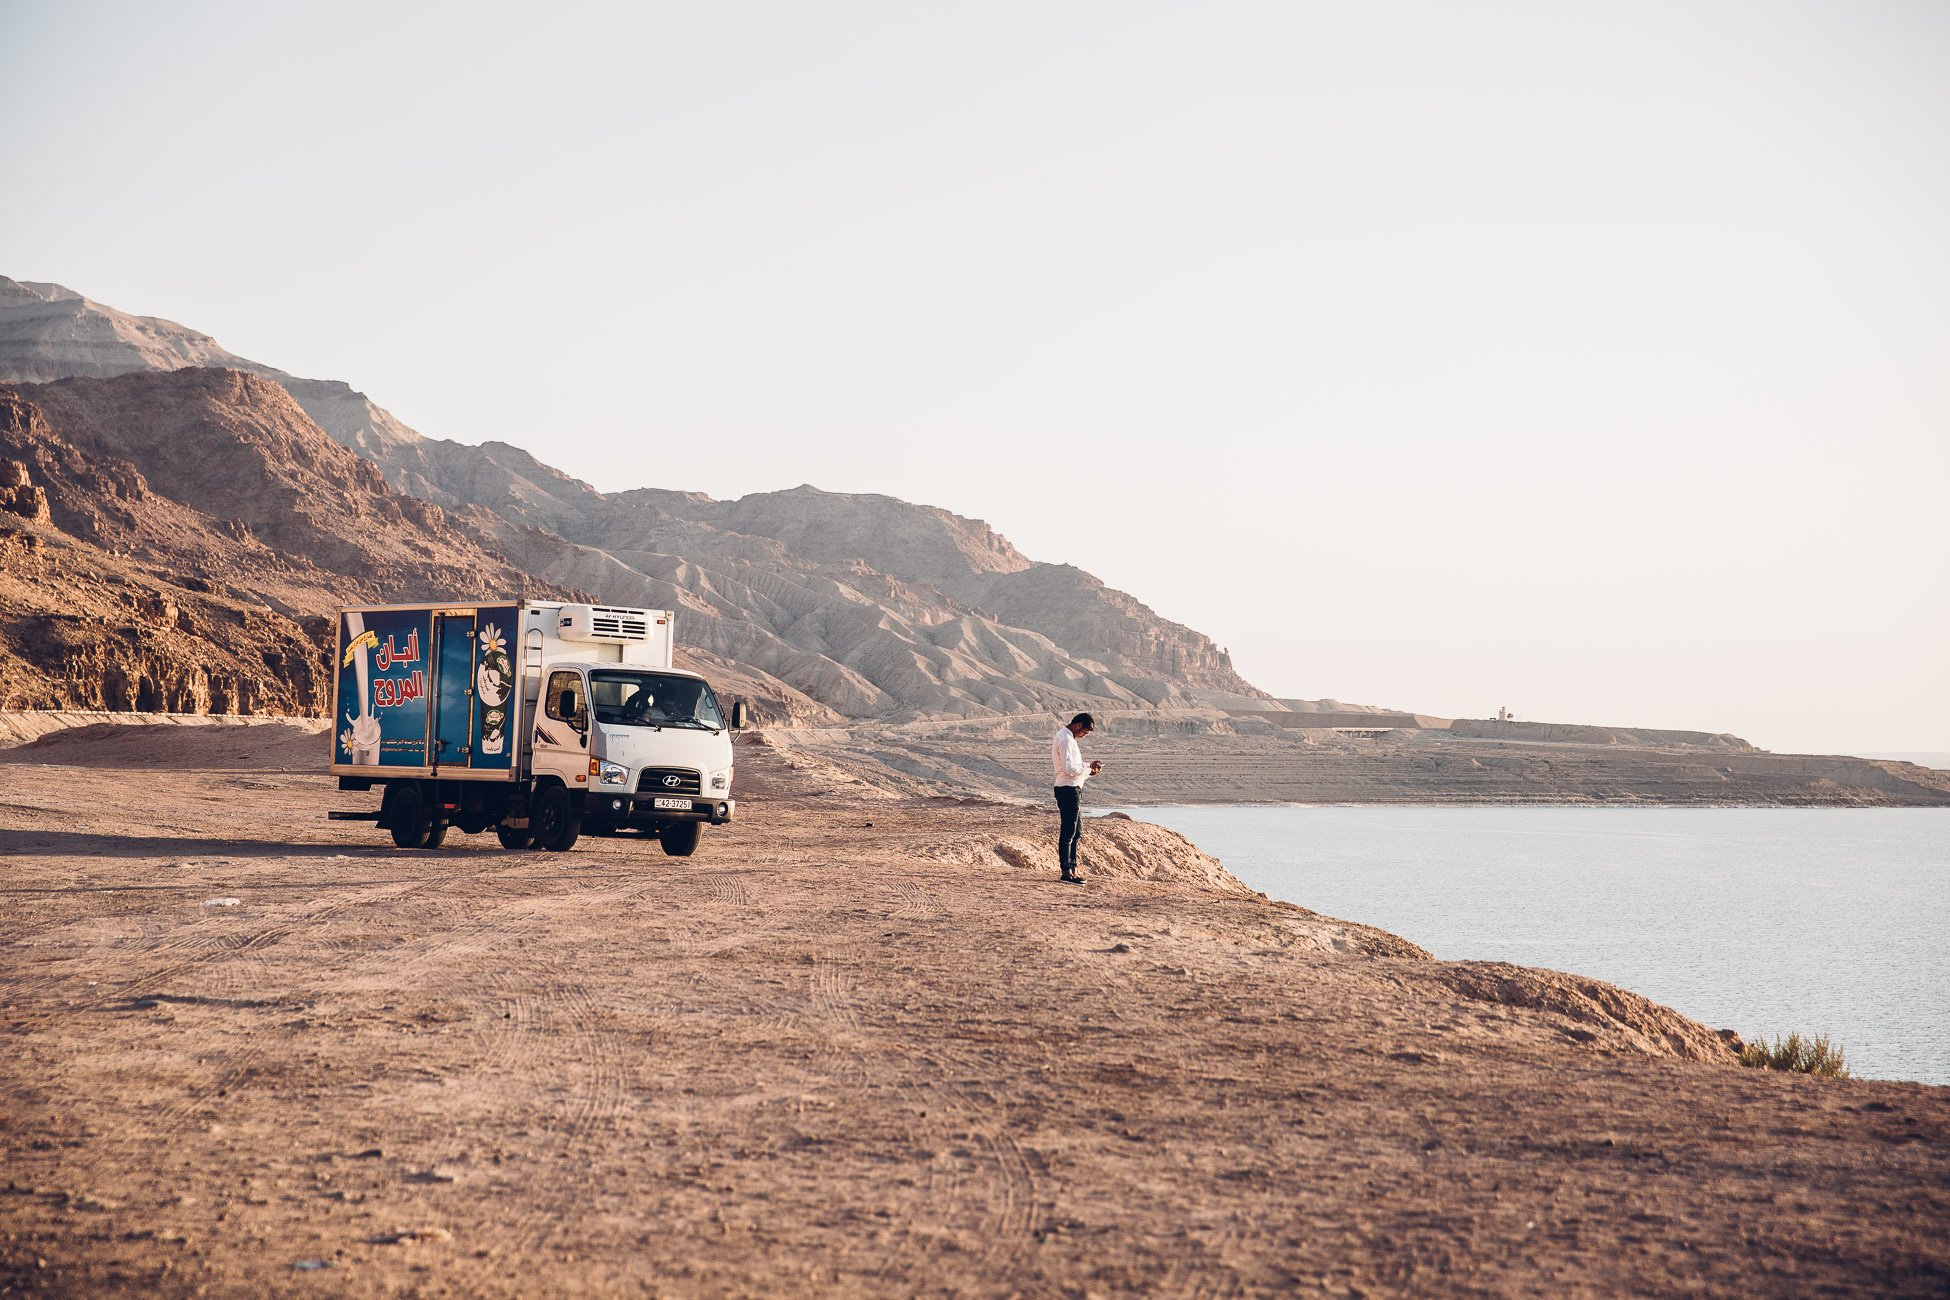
[623,806]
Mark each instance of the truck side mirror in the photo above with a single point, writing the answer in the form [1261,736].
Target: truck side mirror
[565,704]
[741,716]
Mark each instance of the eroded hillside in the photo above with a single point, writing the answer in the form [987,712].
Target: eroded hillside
[818,606]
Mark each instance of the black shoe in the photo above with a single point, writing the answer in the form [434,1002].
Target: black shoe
[1070,878]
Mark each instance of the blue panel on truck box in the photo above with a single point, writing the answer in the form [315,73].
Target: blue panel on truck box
[453,689]
[383,681]
[496,628]
[401,671]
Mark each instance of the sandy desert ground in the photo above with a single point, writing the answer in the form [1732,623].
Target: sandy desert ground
[860,1045]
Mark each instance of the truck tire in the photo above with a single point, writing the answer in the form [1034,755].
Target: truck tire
[680,838]
[515,837]
[407,817]
[555,821]
[435,834]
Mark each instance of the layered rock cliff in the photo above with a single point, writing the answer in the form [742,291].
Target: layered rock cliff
[170,542]
[50,332]
[237,448]
[822,604]
[112,598]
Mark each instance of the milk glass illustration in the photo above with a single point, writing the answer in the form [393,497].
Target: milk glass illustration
[361,736]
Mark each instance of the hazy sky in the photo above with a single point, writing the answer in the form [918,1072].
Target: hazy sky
[1592,360]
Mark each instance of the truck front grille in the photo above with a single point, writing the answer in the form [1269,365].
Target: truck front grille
[669,780]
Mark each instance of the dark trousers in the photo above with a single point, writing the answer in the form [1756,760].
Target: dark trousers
[1072,831]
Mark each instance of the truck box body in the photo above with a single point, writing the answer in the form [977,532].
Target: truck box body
[449,690]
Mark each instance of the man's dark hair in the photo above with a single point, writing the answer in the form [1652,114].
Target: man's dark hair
[1085,721]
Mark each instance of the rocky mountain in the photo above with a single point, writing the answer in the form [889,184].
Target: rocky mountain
[49,332]
[169,541]
[819,605]
[114,598]
[972,566]
[237,448]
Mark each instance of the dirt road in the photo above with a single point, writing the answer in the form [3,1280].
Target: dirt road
[833,1057]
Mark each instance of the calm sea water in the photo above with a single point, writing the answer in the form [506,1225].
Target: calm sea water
[1762,920]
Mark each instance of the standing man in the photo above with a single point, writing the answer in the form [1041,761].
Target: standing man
[1067,758]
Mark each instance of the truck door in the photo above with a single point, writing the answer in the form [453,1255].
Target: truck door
[562,734]
[453,689]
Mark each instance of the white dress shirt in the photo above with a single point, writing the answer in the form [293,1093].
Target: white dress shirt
[1067,758]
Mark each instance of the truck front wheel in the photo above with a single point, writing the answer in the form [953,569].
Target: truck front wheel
[680,838]
[555,821]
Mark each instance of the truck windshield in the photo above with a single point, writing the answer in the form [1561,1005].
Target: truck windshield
[638,699]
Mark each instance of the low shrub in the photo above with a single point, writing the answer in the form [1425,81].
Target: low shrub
[1816,1056]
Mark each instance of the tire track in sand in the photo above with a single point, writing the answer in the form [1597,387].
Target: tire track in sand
[824,1011]
[232,971]
[548,1027]
[989,1189]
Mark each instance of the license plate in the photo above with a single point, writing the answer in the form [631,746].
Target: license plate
[684,804]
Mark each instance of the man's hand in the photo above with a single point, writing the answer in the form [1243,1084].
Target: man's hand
[1095,767]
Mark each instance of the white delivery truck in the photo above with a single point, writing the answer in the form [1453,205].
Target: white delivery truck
[539,720]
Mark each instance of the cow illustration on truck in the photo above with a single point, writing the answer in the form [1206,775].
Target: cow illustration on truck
[538,720]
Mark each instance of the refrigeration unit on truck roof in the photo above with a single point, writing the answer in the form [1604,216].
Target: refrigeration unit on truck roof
[609,623]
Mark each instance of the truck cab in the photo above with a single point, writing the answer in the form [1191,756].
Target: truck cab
[636,748]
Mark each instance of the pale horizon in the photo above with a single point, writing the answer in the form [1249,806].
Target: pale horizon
[1584,363]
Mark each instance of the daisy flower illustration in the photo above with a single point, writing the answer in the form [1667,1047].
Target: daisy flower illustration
[495,674]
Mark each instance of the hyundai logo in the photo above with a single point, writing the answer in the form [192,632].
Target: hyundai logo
[673,781]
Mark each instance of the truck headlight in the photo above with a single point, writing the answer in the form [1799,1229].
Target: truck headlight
[611,773]
[720,780]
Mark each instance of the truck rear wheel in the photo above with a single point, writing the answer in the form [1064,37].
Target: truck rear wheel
[555,821]
[407,816]
[680,838]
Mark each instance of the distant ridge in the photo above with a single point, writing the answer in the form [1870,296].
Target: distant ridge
[50,332]
[822,606]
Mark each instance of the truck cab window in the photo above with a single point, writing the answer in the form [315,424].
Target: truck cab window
[649,699]
[559,685]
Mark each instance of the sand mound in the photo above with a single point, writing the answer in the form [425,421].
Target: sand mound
[1114,847]
[164,741]
[1602,1014]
